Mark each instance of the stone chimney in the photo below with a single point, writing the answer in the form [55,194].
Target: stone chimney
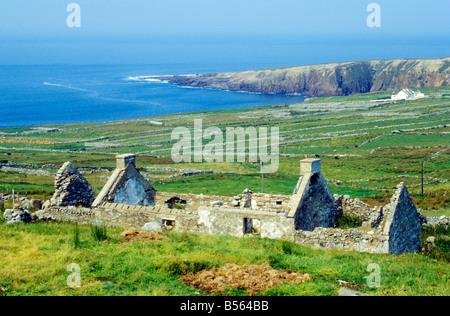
[123,161]
[310,166]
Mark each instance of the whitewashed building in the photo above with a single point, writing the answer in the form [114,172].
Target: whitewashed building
[407,94]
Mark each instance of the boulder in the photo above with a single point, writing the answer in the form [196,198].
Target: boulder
[152,227]
[35,204]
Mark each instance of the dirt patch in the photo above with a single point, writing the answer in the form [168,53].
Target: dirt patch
[133,235]
[25,141]
[253,278]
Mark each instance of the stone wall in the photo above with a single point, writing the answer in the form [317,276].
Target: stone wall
[402,224]
[352,207]
[395,229]
[71,188]
[344,239]
[126,185]
[210,220]
[306,217]
[256,201]
[312,203]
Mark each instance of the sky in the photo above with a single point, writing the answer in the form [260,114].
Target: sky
[26,25]
[160,17]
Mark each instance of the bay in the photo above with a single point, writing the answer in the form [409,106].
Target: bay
[58,94]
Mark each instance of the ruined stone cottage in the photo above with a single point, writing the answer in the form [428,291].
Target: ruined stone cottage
[126,185]
[307,216]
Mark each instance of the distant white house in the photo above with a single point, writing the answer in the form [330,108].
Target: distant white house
[407,94]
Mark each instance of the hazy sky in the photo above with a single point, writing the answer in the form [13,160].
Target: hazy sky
[20,18]
[120,31]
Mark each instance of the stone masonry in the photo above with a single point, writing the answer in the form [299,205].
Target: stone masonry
[71,188]
[126,185]
[402,224]
[306,217]
[396,230]
[312,203]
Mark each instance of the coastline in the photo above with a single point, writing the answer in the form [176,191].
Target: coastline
[39,95]
[324,80]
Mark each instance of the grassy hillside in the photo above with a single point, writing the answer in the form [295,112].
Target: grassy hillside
[34,261]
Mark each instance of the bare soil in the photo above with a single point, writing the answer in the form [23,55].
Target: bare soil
[133,235]
[253,278]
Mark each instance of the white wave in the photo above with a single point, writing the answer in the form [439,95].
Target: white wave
[95,95]
[67,87]
[149,79]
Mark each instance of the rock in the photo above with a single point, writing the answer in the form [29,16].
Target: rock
[348,292]
[46,204]
[431,240]
[152,227]
[35,204]
[25,217]
[8,214]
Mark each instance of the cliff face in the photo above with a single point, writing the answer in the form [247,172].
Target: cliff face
[332,79]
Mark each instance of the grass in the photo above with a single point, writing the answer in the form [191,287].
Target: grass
[99,232]
[34,259]
[348,221]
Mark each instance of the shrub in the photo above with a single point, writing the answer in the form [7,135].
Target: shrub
[348,221]
[76,237]
[187,267]
[99,233]
[441,250]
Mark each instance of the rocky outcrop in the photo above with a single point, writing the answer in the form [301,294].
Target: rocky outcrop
[71,188]
[334,79]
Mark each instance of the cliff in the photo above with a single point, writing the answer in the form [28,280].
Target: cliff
[333,79]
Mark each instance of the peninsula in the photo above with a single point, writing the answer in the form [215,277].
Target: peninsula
[332,79]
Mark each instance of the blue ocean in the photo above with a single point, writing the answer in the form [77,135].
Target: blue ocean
[58,81]
[54,94]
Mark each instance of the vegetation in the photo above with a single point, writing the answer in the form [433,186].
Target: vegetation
[34,260]
[348,221]
[99,232]
[366,150]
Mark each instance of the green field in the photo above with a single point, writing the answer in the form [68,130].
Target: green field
[366,148]
[34,261]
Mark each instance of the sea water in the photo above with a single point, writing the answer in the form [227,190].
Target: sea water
[55,94]
[44,81]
